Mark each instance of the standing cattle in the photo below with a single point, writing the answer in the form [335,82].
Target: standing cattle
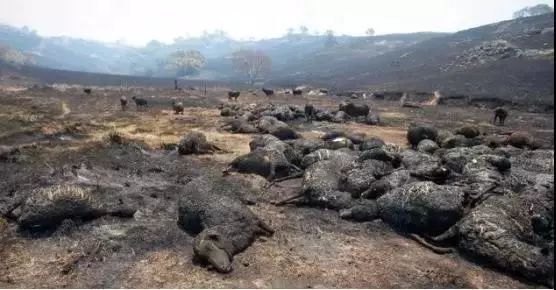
[500,114]
[309,112]
[123,102]
[268,92]
[88,91]
[139,102]
[178,107]
[233,95]
[297,92]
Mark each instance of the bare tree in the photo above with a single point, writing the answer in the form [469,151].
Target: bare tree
[303,29]
[370,31]
[253,63]
[185,63]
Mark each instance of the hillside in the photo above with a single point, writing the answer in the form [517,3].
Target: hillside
[513,59]
[510,59]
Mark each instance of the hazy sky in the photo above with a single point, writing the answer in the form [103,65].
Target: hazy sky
[138,21]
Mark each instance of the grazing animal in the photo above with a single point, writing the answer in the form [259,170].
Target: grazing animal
[297,92]
[233,95]
[88,91]
[500,114]
[178,107]
[123,102]
[309,112]
[268,92]
[139,102]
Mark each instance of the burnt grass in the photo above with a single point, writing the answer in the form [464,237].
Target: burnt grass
[57,129]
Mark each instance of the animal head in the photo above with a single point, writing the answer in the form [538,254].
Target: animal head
[209,248]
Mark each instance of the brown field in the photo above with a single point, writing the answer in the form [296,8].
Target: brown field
[312,248]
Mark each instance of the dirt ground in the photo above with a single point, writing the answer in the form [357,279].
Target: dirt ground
[311,248]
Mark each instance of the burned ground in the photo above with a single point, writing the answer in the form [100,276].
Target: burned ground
[56,130]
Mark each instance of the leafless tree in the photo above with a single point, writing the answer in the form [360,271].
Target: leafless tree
[253,63]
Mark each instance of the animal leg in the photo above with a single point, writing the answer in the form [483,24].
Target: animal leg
[265,228]
[289,199]
[436,249]
[292,176]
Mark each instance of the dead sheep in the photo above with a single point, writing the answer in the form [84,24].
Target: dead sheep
[323,115]
[46,207]
[268,163]
[427,146]
[305,146]
[355,138]
[468,131]
[326,154]
[503,231]
[196,143]
[416,134]
[520,140]
[371,143]
[358,177]
[222,226]
[273,126]
[233,95]
[338,143]
[455,141]
[262,141]
[340,117]
[177,107]
[500,114]
[382,154]
[354,110]
[239,125]
[422,207]
[284,133]
[392,181]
